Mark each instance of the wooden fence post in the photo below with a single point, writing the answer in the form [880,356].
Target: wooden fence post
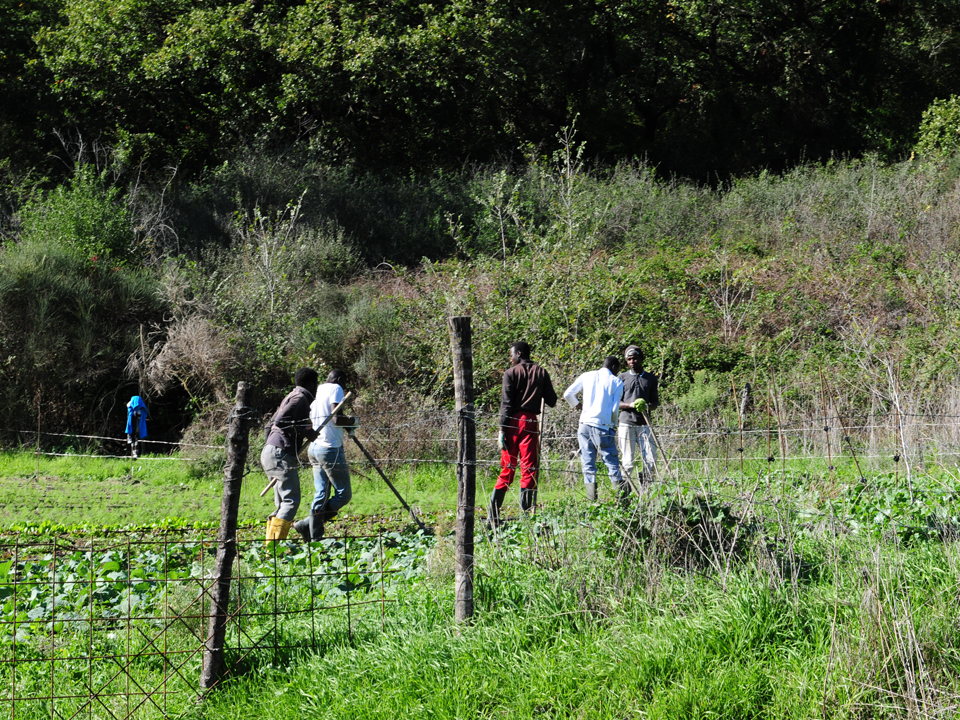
[462,348]
[238,431]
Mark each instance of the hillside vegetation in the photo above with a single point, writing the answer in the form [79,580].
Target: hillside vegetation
[196,193]
[270,263]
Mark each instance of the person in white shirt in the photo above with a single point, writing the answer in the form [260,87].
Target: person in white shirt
[331,475]
[601,390]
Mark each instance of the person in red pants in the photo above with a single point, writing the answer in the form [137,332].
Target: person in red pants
[526,388]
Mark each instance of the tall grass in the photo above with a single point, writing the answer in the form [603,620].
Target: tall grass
[565,629]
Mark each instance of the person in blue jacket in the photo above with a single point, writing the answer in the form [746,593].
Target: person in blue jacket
[136,422]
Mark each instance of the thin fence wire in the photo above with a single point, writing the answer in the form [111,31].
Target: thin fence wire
[946,425]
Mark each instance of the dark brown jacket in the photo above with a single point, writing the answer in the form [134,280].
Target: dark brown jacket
[290,425]
[524,386]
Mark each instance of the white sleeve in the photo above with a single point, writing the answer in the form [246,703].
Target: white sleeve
[618,396]
[570,394]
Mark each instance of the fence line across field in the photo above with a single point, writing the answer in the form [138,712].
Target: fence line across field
[671,431]
[794,425]
[109,438]
[939,451]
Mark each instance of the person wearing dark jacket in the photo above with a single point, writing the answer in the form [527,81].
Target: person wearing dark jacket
[287,431]
[641,394]
[526,388]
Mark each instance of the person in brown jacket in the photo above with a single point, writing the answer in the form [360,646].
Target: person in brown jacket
[526,388]
[287,430]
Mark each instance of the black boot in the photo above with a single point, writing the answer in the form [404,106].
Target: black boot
[528,499]
[303,527]
[311,527]
[318,520]
[621,491]
[496,502]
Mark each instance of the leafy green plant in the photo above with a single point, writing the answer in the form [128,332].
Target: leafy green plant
[44,593]
[914,509]
[701,396]
[940,128]
[86,215]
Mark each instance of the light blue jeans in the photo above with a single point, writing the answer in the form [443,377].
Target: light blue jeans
[329,468]
[593,440]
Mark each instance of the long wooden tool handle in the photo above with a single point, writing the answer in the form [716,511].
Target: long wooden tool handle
[656,441]
[273,481]
[389,484]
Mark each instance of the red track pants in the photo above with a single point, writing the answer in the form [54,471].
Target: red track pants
[521,435]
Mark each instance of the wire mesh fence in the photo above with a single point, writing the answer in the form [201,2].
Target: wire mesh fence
[116,627]
[818,420]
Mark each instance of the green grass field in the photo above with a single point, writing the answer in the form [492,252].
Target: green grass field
[80,490]
[570,628]
[801,592]
[77,490]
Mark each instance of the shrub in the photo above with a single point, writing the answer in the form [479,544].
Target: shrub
[940,127]
[67,326]
[86,216]
[701,396]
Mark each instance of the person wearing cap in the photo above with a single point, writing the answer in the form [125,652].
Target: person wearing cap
[331,474]
[526,388]
[287,430]
[640,395]
[602,391]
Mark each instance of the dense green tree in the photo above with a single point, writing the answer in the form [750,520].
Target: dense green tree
[703,87]
[25,96]
[778,79]
[96,58]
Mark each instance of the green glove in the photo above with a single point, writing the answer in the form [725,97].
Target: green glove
[640,405]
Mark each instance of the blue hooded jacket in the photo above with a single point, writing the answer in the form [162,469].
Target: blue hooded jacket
[136,404]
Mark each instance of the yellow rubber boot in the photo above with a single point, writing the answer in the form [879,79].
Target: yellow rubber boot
[271,531]
[281,528]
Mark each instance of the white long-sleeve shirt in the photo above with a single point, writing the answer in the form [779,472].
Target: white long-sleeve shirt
[328,397]
[602,391]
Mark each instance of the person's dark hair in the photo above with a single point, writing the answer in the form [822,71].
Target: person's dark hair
[522,349]
[612,364]
[306,378]
[337,376]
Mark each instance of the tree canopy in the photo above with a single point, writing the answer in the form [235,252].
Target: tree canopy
[703,88]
